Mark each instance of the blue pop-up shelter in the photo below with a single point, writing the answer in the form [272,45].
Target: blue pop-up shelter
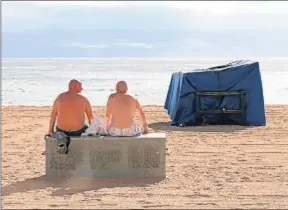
[228,94]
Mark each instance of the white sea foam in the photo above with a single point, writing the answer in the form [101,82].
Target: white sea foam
[38,81]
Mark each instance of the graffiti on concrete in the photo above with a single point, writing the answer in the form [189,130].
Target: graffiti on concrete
[145,156]
[103,158]
[62,162]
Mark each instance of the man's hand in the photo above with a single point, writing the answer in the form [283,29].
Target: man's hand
[50,133]
[145,131]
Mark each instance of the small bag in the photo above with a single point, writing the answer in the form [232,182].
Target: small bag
[63,142]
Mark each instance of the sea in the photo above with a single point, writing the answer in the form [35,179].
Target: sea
[38,81]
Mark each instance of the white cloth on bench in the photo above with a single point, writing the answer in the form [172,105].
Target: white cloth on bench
[98,127]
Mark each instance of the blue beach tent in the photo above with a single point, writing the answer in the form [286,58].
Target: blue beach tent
[228,94]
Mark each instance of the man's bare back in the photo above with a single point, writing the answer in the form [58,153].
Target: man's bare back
[121,108]
[69,108]
[71,111]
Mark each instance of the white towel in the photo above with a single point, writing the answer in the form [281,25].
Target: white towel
[97,127]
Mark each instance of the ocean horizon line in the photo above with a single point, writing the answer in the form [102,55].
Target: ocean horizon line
[159,58]
[148,78]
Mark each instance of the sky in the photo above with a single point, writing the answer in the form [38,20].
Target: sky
[144,29]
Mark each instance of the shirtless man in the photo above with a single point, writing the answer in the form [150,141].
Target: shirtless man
[120,113]
[69,108]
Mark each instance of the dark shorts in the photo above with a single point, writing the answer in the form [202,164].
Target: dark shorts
[73,133]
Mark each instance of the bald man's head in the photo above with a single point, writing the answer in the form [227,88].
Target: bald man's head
[75,86]
[121,87]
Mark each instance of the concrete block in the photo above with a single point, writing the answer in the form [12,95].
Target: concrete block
[109,157]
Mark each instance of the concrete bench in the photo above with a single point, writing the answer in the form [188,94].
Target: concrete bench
[108,157]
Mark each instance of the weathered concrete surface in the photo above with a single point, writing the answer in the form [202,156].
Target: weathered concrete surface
[109,157]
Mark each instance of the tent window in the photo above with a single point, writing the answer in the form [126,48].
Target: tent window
[214,104]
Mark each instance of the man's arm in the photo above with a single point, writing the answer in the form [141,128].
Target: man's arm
[88,111]
[53,116]
[108,111]
[142,116]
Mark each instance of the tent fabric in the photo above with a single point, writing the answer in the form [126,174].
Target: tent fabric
[239,75]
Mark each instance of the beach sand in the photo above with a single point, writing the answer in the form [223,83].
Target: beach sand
[207,167]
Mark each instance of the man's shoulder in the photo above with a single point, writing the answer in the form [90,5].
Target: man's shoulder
[64,96]
[83,98]
[112,95]
[61,95]
[127,96]
[132,97]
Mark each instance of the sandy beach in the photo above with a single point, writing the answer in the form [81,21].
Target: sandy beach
[207,167]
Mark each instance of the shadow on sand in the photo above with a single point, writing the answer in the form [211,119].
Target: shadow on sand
[70,186]
[165,126]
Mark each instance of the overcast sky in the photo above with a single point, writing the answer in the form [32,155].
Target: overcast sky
[144,29]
